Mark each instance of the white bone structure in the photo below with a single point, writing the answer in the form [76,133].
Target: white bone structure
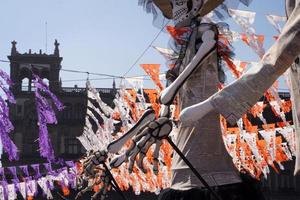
[149,130]
[146,135]
[209,42]
[116,146]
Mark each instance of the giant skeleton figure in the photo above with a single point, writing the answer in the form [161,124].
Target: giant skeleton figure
[197,80]
[199,134]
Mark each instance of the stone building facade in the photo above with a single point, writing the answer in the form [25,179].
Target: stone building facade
[23,114]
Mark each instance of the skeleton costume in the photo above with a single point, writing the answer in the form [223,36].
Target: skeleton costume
[201,141]
[195,78]
[195,140]
[235,99]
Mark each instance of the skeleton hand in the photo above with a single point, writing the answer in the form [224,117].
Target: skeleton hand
[145,133]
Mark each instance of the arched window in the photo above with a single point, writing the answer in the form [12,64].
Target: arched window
[72,144]
[25,76]
[25,84]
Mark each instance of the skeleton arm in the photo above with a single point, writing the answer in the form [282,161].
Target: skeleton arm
[209,42]
[116,146]
[148,130]
[235,99]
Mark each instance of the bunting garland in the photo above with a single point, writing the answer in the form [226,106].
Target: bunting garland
[46,115]
[5,124]
[256,155]
[245,19]
[1,152]
[28,186]
[276,21]
[180,35]
[127,107]
[153,70]
[249,153]
[97,110]
[137,83]
[168,54]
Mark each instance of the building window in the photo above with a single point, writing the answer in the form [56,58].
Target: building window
[71,145]
[25,84]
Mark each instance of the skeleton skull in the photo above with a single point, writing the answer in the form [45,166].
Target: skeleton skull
[185,10]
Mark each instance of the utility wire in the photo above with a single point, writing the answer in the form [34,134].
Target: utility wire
[90,73]
[91,79]
[147,48]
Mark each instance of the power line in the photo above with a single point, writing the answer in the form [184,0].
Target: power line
[88,73]
[5,61]
[91,79]
[147,48]
[68,70]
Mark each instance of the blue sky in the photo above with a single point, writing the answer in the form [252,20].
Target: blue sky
[103,36]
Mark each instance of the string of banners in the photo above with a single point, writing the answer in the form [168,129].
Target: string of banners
[253,149]
[26,181]
[6,127]
[45,112]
